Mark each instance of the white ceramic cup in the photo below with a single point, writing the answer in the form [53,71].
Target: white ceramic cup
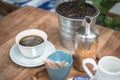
[32,51]
[108,68]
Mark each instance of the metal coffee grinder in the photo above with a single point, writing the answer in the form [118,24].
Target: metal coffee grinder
[86,41]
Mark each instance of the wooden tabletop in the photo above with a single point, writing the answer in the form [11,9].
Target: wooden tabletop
[28,17]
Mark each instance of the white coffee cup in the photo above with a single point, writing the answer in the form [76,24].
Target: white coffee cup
[108,68]
[31,51]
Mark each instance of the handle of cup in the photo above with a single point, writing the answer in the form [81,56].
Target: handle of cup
[91,61]
[34,52]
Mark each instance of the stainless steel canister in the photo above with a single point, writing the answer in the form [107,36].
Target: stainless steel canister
[68,27]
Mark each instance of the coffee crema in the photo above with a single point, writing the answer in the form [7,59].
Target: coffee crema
[31,40]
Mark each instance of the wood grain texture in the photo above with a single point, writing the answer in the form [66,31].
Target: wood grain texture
[28,17]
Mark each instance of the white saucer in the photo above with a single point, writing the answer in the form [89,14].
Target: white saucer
[19,59]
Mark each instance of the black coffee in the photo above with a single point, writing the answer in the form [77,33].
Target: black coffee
[31,40]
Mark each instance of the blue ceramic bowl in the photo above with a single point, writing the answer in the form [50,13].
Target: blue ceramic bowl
[60,73]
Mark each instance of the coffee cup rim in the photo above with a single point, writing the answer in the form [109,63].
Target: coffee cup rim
[99,64]
[17,39]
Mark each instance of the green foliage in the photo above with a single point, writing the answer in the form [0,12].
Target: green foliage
[81,2]
[104,6]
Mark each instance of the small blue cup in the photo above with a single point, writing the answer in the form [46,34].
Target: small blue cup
[60,73]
